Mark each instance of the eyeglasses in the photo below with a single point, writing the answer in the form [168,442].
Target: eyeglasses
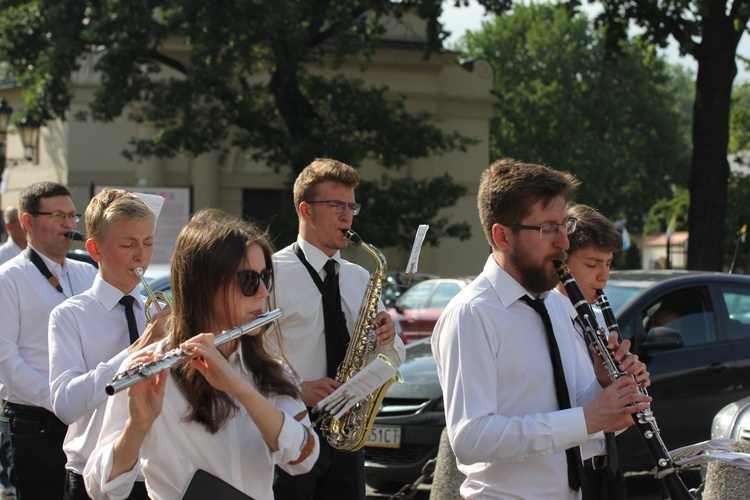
[338,206]
[250,281]
[549,230]
[60,215]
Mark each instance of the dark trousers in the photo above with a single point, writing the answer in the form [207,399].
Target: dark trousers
[603,484]
[75,489]
[32,451]
[9,480]
[336,475]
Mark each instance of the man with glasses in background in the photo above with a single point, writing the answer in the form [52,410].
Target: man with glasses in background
[31,285]
[318,322]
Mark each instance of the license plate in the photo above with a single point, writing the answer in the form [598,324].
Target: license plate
[384,436]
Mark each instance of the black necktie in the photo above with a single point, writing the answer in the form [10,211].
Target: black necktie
[337,335]
[127,302]
[573,455]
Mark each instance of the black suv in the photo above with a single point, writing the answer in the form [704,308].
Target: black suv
[699,359]
[692,329]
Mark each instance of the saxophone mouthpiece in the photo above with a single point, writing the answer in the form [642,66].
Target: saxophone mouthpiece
[75,236]
[352,236]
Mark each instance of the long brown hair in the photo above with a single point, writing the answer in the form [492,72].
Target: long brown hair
[207,254]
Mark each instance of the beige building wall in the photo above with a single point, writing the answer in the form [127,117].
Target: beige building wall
[81,154]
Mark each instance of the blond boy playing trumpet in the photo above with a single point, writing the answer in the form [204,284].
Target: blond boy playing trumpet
[91,334]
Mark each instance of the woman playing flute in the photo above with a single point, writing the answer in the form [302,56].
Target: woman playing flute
[231,410]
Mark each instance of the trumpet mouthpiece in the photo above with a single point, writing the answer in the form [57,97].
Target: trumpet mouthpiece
[138,271]
[75,236]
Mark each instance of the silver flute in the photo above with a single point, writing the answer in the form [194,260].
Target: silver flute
[142,371]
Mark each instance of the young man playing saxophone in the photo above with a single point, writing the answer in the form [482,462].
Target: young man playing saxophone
[325,204]
[91,334]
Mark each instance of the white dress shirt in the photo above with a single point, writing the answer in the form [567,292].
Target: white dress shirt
[501,410]
[303,326]
[8,250]
[26,299]
[595,446]
[88,341]
[174,449]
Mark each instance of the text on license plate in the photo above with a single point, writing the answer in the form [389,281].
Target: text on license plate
[384,436]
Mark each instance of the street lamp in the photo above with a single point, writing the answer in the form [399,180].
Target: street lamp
[28,129]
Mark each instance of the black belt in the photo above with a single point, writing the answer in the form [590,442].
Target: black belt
[596,463]
[30,409]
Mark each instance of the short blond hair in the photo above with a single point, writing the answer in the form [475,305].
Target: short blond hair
[112,205]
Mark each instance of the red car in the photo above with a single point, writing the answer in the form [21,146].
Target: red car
[419,308]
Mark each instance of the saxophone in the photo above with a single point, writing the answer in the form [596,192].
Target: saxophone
[350,432]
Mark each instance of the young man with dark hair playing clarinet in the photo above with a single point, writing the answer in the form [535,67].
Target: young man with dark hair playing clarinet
[590,254]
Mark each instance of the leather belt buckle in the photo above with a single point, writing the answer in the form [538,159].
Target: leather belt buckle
[596,463]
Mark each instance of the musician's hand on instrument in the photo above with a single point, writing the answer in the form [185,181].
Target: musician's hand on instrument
[212,364]
[315,390]
[145,398]
[628,362]
[154,331]
[386,331]
[612,409]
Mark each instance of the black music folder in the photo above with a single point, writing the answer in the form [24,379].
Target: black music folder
[204,485]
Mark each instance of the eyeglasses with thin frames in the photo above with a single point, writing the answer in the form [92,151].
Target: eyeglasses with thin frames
[549,230]
[59,215]
[250,281]
[338,206]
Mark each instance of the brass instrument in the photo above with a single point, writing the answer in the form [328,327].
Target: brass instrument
[350,432]
[153,297]
[142,371]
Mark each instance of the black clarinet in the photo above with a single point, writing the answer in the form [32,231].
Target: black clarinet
[609,315]
[644,421]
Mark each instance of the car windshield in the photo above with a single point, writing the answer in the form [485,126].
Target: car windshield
[619,295]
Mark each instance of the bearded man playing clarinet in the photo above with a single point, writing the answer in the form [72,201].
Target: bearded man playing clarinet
[520,397]
[590,255]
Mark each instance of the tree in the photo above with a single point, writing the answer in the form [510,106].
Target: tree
[243,74]
[709,31]
[614,122]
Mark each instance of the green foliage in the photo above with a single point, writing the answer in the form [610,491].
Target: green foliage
[738,215]
[666,212]
[739,119]
[211,75]
[565,101]
[392,210]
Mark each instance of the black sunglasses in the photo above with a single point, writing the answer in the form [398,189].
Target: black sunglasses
[250,281]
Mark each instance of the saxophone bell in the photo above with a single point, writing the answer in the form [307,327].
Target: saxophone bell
[155,298]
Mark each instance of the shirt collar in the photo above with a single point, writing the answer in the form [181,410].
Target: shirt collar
[315,256]
[507,288]
[110,296]
[55,268]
